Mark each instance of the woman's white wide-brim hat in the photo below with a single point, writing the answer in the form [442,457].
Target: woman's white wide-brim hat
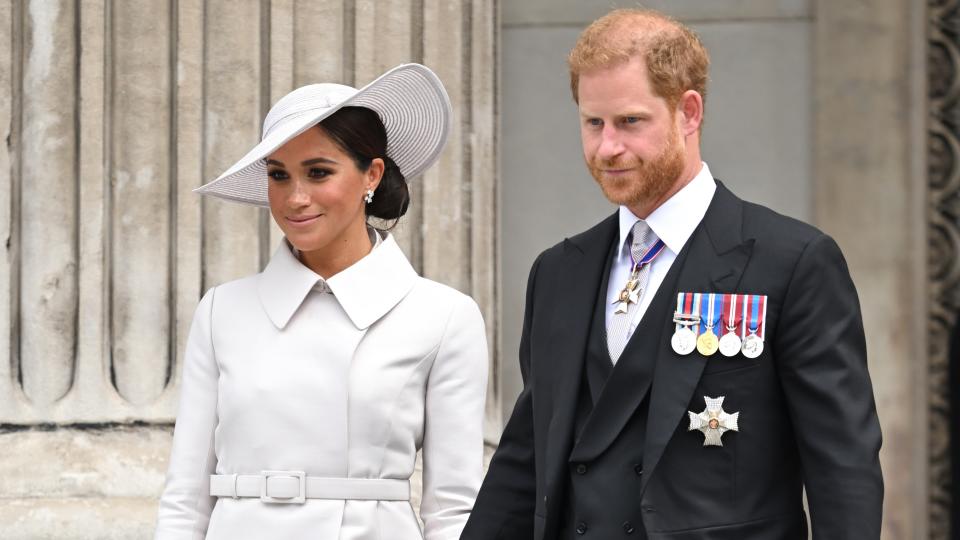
[410,99]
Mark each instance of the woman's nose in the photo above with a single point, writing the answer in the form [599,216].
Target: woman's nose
[298,195]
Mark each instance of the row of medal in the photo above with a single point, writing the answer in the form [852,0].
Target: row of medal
[729,323]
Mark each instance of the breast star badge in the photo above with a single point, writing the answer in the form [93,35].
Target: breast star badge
[713,421]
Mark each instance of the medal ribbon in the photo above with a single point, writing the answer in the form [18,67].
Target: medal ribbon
[757,304]
[697,307]
[730,308]
[685,309]
[710,311]
[762,324]
[649,256]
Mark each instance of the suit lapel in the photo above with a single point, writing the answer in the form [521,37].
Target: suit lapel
[715,260]
[577,284]
[628,383]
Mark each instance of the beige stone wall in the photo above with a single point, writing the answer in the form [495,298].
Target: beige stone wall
[113,111]
[870,193]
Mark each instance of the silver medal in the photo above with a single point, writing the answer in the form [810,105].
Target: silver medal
[684,341]
[752,346]
[730,344]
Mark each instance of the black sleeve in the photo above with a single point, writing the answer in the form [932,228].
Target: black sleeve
[505,505]
[821,357]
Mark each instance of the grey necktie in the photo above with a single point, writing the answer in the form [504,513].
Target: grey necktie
[641,238]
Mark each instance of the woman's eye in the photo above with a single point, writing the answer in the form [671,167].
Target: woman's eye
[277,174]
[319,173]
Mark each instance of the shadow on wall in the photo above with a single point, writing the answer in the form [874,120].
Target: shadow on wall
[954,386]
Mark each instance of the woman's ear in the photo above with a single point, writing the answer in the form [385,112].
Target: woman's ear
[375,173]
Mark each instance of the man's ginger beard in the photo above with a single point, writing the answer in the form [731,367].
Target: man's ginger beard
[647,181]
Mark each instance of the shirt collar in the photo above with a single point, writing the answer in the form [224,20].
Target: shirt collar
[675,220]
[366,290]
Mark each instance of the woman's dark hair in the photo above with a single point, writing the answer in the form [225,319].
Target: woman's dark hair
[360,133]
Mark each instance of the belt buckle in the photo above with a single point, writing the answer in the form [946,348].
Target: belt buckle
[298,499]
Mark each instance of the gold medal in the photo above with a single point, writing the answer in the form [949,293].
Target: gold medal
[707,343]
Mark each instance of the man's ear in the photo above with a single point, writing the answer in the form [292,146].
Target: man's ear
[691,112]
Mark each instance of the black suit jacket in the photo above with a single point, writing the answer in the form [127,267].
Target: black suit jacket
[807,412]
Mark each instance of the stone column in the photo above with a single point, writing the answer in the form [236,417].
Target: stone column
[114,112]
[869,194]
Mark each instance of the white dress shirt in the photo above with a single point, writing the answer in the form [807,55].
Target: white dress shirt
[673,222]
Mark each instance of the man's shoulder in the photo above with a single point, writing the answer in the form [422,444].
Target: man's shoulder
[770,227]
[598,234]
[780,242]
[760,221]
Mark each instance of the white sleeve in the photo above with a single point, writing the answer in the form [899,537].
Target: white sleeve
[186,503]
[453,432]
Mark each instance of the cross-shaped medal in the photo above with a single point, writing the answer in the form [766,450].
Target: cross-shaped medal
[713,422]
[629,295]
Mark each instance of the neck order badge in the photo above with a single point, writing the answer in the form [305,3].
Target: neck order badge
[633,289]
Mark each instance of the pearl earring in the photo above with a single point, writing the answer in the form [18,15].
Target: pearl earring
[369,197]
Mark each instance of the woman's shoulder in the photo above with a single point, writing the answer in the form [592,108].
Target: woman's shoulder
[440,296]
[243,285]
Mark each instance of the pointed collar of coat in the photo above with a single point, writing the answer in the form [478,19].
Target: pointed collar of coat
[366,291]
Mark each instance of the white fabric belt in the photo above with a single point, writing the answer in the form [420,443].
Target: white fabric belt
[294,487]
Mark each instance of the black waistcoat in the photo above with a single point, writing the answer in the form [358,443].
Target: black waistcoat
[603,495]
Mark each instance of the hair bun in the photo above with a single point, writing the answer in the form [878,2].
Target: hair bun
[392,196]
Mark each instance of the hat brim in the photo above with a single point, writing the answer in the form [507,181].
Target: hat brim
[410,100]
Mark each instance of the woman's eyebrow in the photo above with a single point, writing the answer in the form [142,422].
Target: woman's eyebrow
[318,160]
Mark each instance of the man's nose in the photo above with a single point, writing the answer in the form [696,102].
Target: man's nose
[610,143]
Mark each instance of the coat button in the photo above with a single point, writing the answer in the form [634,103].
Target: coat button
[628,527]
[581,469]
[638,469]
[581,528]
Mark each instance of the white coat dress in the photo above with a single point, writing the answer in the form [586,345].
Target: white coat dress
[343,378]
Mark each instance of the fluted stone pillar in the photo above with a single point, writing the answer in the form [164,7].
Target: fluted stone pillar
[870,192]
[113,111]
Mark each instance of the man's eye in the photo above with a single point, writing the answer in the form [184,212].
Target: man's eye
[277,174]
[595,122]
[631,119]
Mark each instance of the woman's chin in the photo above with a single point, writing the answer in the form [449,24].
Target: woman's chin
[305,242]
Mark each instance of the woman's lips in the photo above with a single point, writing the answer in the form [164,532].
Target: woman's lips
[302,221]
